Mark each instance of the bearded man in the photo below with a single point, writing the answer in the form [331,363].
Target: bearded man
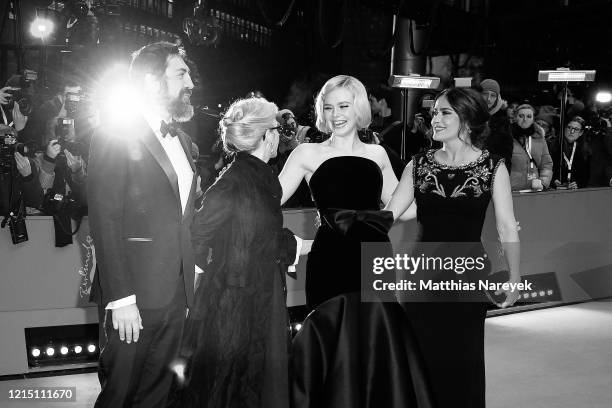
[141,190]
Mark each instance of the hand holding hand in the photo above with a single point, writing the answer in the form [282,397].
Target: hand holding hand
[23,165]
[53,149]
[127,320]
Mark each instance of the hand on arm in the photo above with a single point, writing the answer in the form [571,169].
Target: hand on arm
[507,228]
[402,201]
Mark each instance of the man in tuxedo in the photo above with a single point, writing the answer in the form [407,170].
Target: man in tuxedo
[141,190]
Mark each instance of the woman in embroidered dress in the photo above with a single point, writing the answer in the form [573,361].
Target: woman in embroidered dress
[452,187]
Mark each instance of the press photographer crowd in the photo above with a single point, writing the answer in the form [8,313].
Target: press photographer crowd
[45,140]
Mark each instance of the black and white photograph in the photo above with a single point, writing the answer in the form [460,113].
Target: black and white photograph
[305,203]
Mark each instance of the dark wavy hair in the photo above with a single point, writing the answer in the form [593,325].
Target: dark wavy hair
[472,111]
[153,59]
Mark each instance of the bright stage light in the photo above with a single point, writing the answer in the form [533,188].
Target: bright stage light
[116,97]
[78,349]
[41,27]
[50,351]
[298,326]
[64,350]
[603,97]
[91,348]
[35,352]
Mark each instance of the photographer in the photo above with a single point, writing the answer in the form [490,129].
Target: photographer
[292,134]
[19,183]
[63,178]
[11,112]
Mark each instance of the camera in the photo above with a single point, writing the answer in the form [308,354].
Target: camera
[78,105]
[17,228]
[287,128]
[8,147]
[55,204]
[63,130]
[20,96]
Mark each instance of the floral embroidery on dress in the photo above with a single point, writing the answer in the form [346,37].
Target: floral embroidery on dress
[427,178]
[478,176]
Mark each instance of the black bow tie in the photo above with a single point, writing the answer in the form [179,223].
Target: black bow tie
[168,129]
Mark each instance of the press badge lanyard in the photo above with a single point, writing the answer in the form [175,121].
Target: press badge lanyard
[4,117]
[527,148]
[569,162]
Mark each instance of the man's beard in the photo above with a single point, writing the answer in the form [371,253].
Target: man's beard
[179,108]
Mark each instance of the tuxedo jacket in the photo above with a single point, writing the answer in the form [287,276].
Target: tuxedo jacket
[142,238]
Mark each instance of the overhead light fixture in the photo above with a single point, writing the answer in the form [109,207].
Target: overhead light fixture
[463,82]
[41,27]
[413,81]
[566,75]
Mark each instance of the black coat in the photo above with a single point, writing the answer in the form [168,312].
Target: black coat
[141,235]
[236,336]
[500,140]
[580,165]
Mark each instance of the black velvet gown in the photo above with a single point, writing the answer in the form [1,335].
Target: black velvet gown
[236,339]
[351,353]
[451,208]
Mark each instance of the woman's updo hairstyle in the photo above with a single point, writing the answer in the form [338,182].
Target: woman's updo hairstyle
[245,123]
[472,110]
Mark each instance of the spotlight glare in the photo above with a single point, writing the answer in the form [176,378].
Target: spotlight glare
[298,327]
[41,27]
[50,351]
[35,352]
[64,350]
[78,349]
[117,98]
[91,348]
[179,369]
[603,97]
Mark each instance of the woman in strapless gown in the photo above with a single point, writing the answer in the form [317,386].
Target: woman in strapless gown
[453,187]
[349,353]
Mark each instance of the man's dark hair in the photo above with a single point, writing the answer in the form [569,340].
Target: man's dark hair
[153,59]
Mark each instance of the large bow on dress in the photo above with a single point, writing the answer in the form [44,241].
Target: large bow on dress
[342,220]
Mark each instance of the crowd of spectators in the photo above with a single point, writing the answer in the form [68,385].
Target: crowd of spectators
[44,156]
[43,151]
